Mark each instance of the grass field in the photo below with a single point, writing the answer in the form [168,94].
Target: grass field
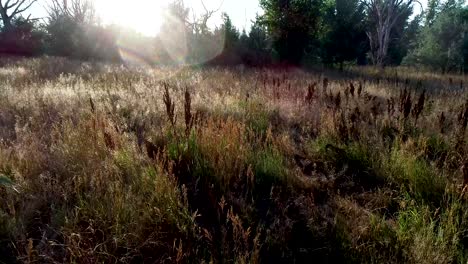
[105,164]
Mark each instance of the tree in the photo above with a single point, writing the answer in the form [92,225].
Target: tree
[9,9]
[292,25]
[443,42]
[231,34]
[73,31]
[174,33]
[431,12]
[229,37]
[185,37]
[345,38]
[19,35]
[258,45]
[25,38]
[401,36]
[383,16]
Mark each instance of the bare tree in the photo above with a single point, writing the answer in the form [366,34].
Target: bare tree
[81,11]
[384,15]
[11,8]
[198,23]
[185,34]
[201,25]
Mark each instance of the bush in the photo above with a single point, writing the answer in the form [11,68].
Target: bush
[25,39]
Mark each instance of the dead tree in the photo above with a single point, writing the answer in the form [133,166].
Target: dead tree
[80,11]
[184,32]
[198,23]
[11,8]
[384,14]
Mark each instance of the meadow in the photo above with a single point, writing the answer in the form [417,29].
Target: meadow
[108,164]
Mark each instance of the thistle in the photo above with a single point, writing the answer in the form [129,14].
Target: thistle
[355,115]
[405,103]
[390,106]
[170,105]
[109,141]
[419,106]
[442,119]
[310,92]
[188,111]
[325,85]
[463,117]
[359,91]
[337,101]
[346,93]
[341,128]
[465,173]
[91,103]
[375,108]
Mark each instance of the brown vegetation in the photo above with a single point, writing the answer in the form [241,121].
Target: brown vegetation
[108,164]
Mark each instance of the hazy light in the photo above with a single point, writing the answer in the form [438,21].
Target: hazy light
[145,16]
[152,19]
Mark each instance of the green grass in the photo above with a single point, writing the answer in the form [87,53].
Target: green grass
[269,167]
[416,176]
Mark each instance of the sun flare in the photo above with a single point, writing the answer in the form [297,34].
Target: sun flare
[150,18]
[144,16]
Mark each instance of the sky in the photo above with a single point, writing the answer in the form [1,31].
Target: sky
[145,15]
[147,20]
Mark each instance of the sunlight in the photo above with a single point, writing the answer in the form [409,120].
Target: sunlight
[150,18]
[144,16]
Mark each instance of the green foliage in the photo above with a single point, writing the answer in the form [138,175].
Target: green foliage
[345,39]
[292,26]
[436,148]
[269,167]
[231,34]
[69,38]
[442,42]
[416,176]
[258,118]
[433,238]
[74,32]
[5,181]
[25,38]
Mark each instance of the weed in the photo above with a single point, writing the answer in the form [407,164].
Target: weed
[95,167]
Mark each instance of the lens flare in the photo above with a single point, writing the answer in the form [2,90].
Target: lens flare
[173,36]
[185,47]
[159,36]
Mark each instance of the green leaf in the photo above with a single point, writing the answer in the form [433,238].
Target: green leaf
[5,181]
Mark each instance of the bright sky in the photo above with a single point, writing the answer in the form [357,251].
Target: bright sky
[145,15]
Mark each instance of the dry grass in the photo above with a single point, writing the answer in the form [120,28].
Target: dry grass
[105,164]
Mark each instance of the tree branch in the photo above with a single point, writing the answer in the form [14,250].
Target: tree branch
[18,10]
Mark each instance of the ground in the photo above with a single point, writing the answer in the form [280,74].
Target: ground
[108,164]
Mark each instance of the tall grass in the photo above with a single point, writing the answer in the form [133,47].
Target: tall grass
[105,164]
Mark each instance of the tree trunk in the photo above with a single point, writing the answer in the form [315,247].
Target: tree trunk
[385,14]
[7,26]
[4,17]
[6,20]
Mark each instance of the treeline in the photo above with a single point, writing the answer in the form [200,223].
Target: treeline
[289,32]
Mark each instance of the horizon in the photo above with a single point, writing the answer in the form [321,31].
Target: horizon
[241,12]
